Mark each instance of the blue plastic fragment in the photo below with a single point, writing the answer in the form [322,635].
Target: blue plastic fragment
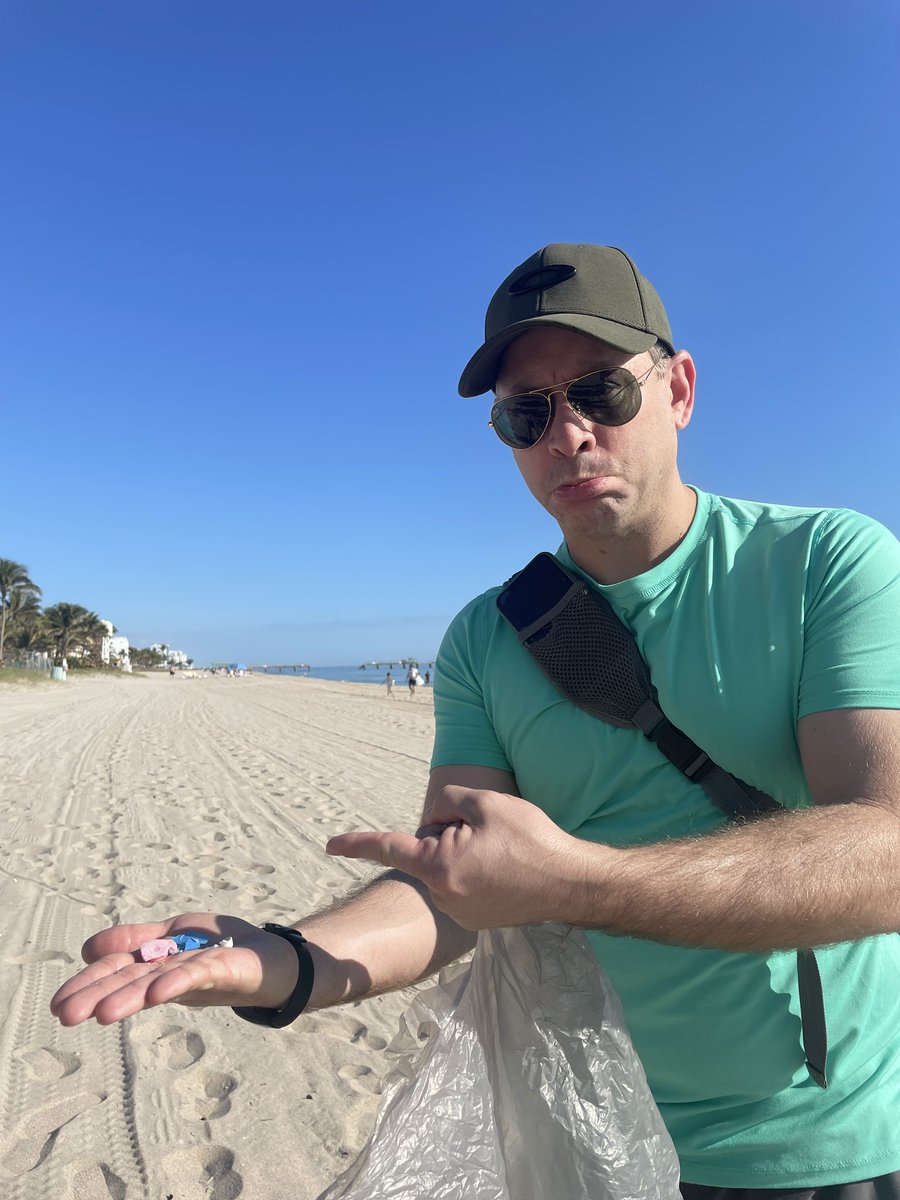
[190,941]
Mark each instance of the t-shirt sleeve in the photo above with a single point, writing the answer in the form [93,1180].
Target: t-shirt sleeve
[851,655]
[463,730]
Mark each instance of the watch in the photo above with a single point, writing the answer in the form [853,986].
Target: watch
[277,1018]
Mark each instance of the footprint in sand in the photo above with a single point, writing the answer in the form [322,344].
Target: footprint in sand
[203,1173]
[212,1099]
[361,1079]
[180,1048]
[334,885]
[156,900]
[42,956]
[346,1028]
[361,1034]
[260,892]
[95,1181]
[33,1139]
[184,1049]
[44,1062]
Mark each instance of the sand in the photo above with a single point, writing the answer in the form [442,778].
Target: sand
[135,798]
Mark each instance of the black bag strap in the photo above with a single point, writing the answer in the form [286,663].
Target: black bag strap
[579,643]
[736,799]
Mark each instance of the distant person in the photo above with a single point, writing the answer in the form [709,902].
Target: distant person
[427,678]
[412,678]
[389,683]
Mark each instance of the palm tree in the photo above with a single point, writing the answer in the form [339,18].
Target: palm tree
[23,620]
[65,623]
[13,578]
[91,634]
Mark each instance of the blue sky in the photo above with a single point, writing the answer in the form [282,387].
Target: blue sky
[246,251]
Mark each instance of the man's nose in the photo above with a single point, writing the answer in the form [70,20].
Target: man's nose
[569,432]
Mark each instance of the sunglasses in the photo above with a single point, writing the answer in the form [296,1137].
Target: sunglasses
[610,397]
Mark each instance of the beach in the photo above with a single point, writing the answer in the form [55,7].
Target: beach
[130,799]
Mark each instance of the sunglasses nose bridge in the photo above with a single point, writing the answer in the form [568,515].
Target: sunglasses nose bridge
[563,391]
[571,405]
[566,431]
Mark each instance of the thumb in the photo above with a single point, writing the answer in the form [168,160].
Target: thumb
[452,805]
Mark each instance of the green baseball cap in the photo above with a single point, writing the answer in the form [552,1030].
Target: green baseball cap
[595,290]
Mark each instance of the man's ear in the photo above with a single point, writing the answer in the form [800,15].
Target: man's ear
[682,379]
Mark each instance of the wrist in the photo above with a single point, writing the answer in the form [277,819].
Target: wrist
[584,882]
[291,1006]
[281,975]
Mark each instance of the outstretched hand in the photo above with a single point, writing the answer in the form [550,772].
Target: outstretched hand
[488,859]
[260,969]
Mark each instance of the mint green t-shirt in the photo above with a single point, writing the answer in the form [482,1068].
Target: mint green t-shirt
[762,615]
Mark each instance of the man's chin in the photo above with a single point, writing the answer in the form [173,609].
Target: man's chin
[602,515]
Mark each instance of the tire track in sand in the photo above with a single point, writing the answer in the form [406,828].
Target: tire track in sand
[65,1092]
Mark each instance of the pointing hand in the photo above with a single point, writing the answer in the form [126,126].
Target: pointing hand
[489,860]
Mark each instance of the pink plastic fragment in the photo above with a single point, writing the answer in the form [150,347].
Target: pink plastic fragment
[157,949]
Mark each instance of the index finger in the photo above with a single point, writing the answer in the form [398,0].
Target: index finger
[399,850]
[129,938]
[122,939]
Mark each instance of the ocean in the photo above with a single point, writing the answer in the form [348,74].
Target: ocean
[356,674]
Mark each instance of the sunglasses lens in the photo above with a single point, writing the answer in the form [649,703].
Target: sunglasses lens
[520,421]
[607,397]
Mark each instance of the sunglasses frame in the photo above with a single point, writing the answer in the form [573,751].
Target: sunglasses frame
[563,389]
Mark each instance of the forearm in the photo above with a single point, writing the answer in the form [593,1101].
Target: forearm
[797,879]
[793,880]
[385,938]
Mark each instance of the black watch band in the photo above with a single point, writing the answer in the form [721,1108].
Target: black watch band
[277,1018]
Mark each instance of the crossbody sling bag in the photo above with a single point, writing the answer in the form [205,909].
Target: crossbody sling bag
[579,643]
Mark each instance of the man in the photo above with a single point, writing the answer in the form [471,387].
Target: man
[771,637]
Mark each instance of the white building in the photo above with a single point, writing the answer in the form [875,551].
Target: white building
[174,658]
[114,648]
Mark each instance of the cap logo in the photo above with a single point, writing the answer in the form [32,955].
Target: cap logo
[540,279]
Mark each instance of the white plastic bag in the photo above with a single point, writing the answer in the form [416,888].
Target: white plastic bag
[515,1079]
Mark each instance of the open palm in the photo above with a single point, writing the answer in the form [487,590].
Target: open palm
[116,984]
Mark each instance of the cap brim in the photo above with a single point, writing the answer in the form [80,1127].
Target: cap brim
[481,370]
